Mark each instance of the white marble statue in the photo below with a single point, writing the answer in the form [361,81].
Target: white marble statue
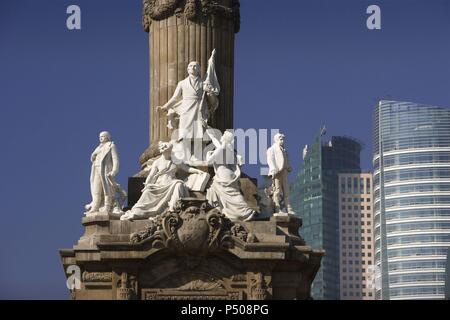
[199,99]
[162,189]
[225,191]
[279,168]
[104,188]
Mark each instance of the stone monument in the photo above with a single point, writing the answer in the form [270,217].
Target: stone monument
[194,228]
[182,31]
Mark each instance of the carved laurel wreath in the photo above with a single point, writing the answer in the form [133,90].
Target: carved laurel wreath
[192,9]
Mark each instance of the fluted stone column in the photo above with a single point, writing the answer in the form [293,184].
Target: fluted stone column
[181,31]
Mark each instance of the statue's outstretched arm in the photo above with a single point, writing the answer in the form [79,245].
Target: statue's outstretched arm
[172,100]
[189,169]
[214,156]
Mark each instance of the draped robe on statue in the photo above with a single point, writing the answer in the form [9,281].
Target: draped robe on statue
[225,191]
[103,187]
[195,107]
[162,190]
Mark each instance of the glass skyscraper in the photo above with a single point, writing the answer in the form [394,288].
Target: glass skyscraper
[315,197]
[447,276]
[412,199]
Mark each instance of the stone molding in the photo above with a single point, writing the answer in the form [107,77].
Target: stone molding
[191,9]
[194,227]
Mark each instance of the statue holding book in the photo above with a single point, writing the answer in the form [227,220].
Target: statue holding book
[162,188]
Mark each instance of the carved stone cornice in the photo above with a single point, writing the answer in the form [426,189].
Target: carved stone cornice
[192,9]
[97,276]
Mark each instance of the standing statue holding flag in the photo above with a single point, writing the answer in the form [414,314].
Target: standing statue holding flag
[199,100]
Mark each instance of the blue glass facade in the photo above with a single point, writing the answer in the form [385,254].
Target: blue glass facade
[412,199]
[447,276]
[315,197]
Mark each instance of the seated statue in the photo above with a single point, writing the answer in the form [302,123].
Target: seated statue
[225,191]
[162,189]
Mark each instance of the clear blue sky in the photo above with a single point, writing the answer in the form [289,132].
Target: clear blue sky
[299,64]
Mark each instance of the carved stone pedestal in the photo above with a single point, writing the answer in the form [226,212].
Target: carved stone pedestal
[193,253]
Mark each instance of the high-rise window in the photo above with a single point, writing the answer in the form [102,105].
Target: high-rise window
[361,186]
[343,186]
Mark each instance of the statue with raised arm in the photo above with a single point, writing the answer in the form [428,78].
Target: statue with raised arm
[279,168]
[199,100]
[162,188]
[225,191]
[104,188]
